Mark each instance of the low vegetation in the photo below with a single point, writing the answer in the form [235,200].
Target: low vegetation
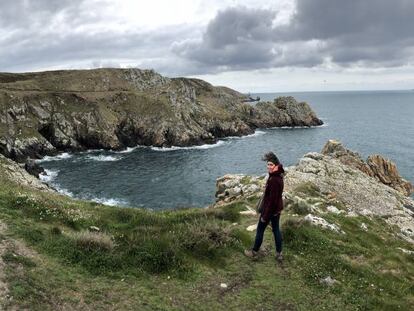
[60,253]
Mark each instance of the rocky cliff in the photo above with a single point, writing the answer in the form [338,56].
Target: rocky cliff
[324,182]
[376,166]
[14,172]
[46,112]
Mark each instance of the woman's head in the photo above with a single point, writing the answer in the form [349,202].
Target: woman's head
[271,157]
[272,161]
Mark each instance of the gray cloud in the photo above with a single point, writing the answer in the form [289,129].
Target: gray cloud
[19,14]
[366,33]
[355,32]
[239,25]
[356,21]
[241,38]
[30,43]
[375,32]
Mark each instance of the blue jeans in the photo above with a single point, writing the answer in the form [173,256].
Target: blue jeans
[276,233]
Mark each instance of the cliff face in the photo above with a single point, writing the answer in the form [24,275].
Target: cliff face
[43,113]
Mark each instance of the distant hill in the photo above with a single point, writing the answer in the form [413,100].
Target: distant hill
[47,112]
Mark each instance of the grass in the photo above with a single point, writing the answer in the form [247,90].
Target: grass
[177,259]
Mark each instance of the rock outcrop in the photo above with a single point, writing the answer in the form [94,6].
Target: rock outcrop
[33,168]
[384,170]
[320,184]
[288,111]
[46,112]
[12,171]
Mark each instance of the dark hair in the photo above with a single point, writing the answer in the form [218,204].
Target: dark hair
[271,157]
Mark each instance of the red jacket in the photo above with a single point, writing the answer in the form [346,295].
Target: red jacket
[273,201]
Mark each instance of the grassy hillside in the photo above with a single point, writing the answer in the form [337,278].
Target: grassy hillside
[53,259]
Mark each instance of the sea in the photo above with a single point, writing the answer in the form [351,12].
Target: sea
[368,122]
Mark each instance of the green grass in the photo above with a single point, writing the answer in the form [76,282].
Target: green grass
[176,259]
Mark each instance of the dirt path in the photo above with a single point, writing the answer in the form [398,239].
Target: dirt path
[18,248]
[4,290]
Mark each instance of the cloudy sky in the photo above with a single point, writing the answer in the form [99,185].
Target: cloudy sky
[256,46]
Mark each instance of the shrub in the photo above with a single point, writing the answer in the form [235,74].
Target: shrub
[308,188]
[157,256]
[229,213]
[93,241]
[205,238]
[242,236]
[300,207]
[124,215]
[290,230]
[11,257]
[56,231]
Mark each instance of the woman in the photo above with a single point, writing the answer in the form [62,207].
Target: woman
[272,206]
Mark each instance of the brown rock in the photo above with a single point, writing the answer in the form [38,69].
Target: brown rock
[386,172]
[335,149]
[376,166]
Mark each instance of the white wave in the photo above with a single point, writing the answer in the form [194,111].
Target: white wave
[90,151]
[62,190]
[297,127]
[49,176]
[208,146]
[103,158]
[256,133]
[58,157]
[205,146]
[127,150]
[110,201]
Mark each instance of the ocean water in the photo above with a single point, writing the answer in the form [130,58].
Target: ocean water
[369,122]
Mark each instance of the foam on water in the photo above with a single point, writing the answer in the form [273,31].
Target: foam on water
[49,176]
[63,191]
[205,146]
[103,158]
[297,127]
[90,151]
[127,150]
[58,157]
[110,201]
[256,133]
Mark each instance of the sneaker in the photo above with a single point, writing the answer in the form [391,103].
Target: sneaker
[279,257]
[250,253]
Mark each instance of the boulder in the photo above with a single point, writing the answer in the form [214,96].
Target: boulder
[33,168]
[232,186]
[319,221]
[329,281]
